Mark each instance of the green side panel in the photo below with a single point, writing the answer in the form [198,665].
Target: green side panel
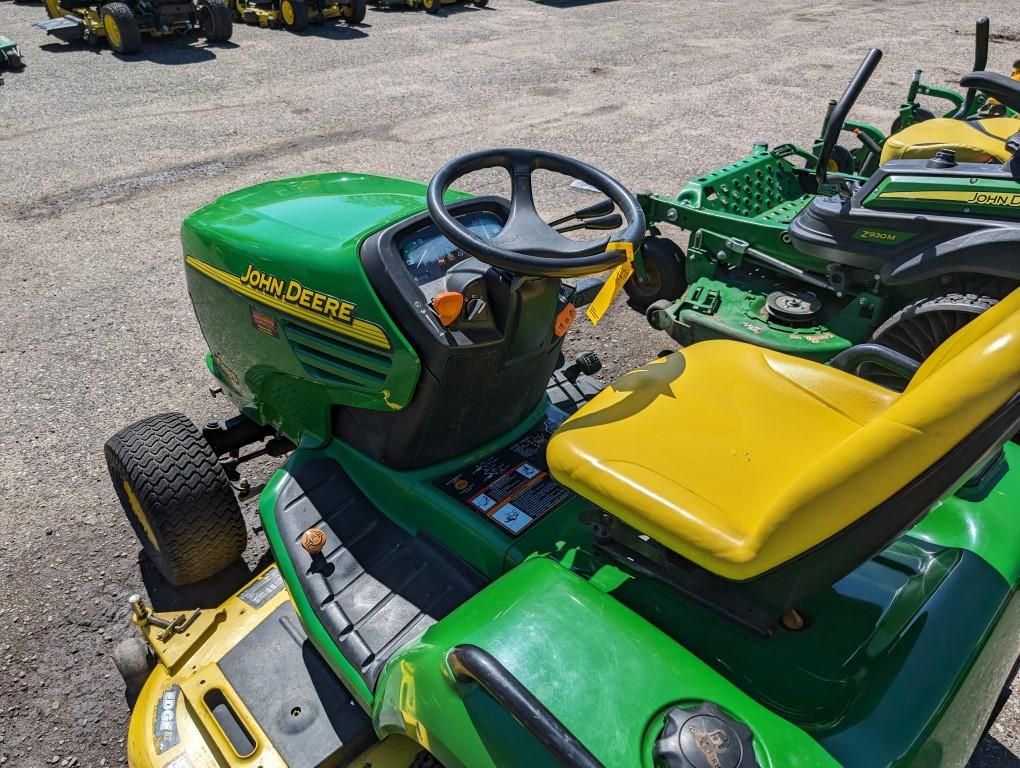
[986,526]
[966,196]
[275,360]
[608,675]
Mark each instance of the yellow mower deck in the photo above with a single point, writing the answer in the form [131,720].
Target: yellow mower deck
[277,14]
[197,710]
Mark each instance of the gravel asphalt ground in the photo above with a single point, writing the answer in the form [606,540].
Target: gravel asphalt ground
[101,157]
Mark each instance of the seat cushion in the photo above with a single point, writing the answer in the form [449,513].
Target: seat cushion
[694,449]
[974,141]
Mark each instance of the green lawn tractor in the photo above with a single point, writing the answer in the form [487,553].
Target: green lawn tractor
[975,127]
[297,14]
[799,262]
[469,571]
[430,6]
[10,56]
[123,22]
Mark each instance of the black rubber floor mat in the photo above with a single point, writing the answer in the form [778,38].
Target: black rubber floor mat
[301,705]
[374,586]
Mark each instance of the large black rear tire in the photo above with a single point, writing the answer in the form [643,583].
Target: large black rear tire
[215,20]
[666,276]
[177,497]
[918,328]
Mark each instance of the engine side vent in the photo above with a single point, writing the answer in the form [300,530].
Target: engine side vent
[333,360]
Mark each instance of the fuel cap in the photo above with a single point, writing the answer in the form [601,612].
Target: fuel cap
[703,737]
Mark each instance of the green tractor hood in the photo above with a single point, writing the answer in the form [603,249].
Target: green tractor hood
[293,325]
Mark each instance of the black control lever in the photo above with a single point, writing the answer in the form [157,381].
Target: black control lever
[585,291]
[980,62]
[601,208]
[612,221]
[587,363]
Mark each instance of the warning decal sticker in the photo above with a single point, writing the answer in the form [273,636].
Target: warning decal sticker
[512,487]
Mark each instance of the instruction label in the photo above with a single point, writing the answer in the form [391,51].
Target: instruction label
[259,592]
[512,487]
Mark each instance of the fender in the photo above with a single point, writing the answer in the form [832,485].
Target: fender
[994,252]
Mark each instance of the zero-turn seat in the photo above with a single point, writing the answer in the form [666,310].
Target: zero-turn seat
[973,141]
[741,460]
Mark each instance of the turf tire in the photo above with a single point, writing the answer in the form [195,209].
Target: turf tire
[432,6]
[130,37]
[193,525]
[300,18]
[216,20]
[920,115]
[354,12]
[841,160]
[918,328]
[664,263]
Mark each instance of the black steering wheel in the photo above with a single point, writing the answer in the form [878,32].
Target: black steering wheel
[527,245]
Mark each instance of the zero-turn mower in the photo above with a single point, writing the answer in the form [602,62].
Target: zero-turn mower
[975,127]
[799,262]
[430,6]
[10,57]
[123,22]
[468,575]
[297,14]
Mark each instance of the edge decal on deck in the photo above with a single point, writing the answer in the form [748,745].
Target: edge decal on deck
[165,725]
[292,298]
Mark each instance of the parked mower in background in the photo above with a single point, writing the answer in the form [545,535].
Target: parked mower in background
[795,261]
[10,57]
[430,6]
[297,14]
[468,575]
[122,24]
[973,126]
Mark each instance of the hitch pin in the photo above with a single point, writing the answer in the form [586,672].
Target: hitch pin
[176,625]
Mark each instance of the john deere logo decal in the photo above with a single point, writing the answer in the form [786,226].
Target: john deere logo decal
[292,298]
[293,292]
[991,198]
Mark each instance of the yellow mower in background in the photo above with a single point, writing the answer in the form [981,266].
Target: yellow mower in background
[297,14]
[124,22]
[430,6]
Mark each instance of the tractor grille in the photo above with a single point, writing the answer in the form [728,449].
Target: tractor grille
[331,360]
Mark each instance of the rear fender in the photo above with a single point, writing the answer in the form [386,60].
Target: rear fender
[993,252]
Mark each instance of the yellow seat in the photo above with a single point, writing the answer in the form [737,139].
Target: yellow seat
[740,459]
[974,141]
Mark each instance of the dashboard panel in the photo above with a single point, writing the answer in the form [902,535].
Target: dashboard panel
[428,255]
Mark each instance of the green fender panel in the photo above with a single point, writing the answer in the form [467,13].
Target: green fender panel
[607,674]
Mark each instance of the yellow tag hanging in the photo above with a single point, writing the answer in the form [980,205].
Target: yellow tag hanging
[613,285]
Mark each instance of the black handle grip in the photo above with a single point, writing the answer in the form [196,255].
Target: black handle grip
[842,109]
[470,664]
[981,44]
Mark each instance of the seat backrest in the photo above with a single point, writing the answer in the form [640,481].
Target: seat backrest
[967,380]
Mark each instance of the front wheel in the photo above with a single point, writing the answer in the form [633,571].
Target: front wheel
[432,6]
[215,20]
[176,497]
[294,14]
[920,115]
[665,277]
[841,161]
[354,11]
[121,28]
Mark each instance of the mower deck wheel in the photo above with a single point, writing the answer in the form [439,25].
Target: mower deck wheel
[177,497]
[215,20]
[294,14]
[121,28]
[134,662]
[354,11]
[665,276]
